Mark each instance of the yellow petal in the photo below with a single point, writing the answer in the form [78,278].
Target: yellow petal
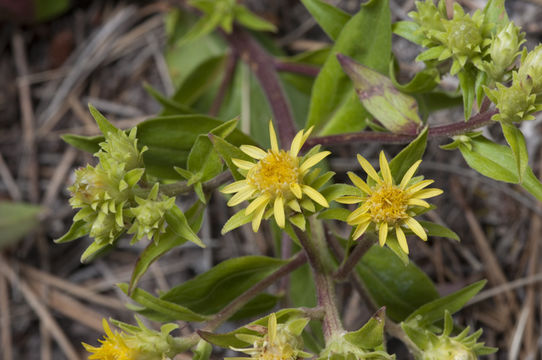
[349,199]
[383,233]
[253,151]
[418,202]
[359,211]
[240,197]
[416,228]
[385,169]
[272,327]
[427,193]
[260,201]
[294,205]
[313,160]
[314,195]
[356,180]
[359,219]
[273,137]
[306,135]
[296,190]
[418,186]
[257,218]
[243,164]
[409,174]
[278,210]
[240,185]
[401,238]
[360,230]
[369,169]
[297,142]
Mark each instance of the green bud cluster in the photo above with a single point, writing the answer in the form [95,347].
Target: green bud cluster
[462,38]
[530,69]
[150,215]
[443,346]
[106,193]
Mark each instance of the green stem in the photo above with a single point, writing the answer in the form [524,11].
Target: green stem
[364,244]
[181,187]
[315,248]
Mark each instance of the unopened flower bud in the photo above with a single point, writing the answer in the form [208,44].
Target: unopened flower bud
[503,50]
[515,103]
[531,68]
[123,148]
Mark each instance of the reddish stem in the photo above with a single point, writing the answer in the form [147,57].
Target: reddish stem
[295,68]
[263,66]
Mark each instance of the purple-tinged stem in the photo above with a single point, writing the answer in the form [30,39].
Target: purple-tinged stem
[364,244]
[226,81]
[447,130]
[262,65]
[302,69]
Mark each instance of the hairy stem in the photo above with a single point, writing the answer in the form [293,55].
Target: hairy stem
[315,248]
[182,187]
[352,260]
[458,128]
[263,66]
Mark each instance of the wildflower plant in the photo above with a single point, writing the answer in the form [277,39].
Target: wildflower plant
[154,182]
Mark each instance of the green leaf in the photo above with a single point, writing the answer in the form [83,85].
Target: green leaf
[77,230]
[515,139]
[211,291]
[371,335]
[47,9]
[17,220]
[170,138]
[105,126]
[408,30]
[332,88]
[437,100]
[400,164]
[169,309]
[434,311]
[467,79]
[402,289]
[179,225]
[434,229]
[251,21]
[260,304]
[96,250]
[153,252]
[170,107]
[424,80]
[330,18]
[228,151]
[200,80]
[203,160]
[495,15]
[396,111]
[86,143]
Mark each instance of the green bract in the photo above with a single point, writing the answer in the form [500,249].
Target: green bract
[531,68]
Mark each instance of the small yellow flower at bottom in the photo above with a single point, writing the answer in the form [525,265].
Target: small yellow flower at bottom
[114,346]
[277,178]
[386,205]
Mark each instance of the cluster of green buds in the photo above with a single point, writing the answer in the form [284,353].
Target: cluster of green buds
[503,52]
[443,346]
[521,99]
[463,38]
[137,343]
[103,192]
[276,342]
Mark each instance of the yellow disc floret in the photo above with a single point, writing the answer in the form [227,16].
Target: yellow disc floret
[275,173]
[388,204]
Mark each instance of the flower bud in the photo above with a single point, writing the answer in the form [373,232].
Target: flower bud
[515,103]
[123,148]
[150,215]
[105,228]
[503,50]
[449,349]
[531,68]
[428,16]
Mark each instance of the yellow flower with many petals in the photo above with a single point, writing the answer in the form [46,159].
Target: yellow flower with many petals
[279,179]
[114,346]
[388,206]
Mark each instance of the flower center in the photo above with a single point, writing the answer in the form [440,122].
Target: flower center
[274,173]
[388,204]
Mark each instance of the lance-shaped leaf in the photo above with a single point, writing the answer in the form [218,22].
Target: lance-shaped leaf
[17,220]
[396,111]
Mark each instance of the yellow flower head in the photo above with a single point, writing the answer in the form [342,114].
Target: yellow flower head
[114,346]
[386,205]
[278,344]
[278,178]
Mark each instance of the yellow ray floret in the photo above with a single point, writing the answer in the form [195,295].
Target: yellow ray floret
[275,179]
[114,346]
[386,205]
